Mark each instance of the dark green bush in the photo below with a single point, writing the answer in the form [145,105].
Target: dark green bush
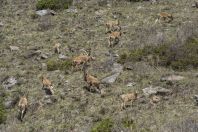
[179,57]
[2,113]
[58,65]
[103,126]
[53,4]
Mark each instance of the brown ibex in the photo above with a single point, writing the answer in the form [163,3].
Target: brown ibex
[57,48]
[82,59]
[166,17]
[113,26]
[23,104]
[129,97]
[47,84]
[114,36]
[91,80]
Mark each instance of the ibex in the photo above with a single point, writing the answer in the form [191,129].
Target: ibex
[114,36]
[165,17]
[23,104]
[129,97]
[57,48]
[113,26]
[91,80]
[47,84]
[154,99]
[82,59]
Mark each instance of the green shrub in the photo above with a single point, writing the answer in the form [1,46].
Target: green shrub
[123,58]
[128,123]
[2,113]
[58,65]
[103,126]
[53,4]
[178,57]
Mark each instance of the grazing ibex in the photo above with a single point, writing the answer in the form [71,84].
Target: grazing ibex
[57,48]
[166,17]
[129,97]
[114,37]
[113,26]
[23,104]
[47,84]
[82,59]
[91,80]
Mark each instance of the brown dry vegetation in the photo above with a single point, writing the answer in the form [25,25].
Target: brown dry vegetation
[72,107]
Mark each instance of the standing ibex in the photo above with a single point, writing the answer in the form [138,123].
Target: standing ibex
[113,26]
[114,37]
[57,48]
[166,17]
[82,59]
[23,104]
[91,80]
[47,84]
[129,97]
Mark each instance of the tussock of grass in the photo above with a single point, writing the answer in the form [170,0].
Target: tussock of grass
[178,57]
[53,4]
[58,65]
[103,126]
[2,113]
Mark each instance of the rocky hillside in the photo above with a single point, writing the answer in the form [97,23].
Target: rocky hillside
[157,59]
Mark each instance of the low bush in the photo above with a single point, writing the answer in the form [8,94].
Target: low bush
[178,57]
[58,65]
[103,126]
[53,4]
[2,113]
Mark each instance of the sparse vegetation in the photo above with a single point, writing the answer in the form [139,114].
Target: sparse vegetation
[2,113]
[72,106]
[53,4]
[58,65]
[103,126]
[128,122]
[178,57]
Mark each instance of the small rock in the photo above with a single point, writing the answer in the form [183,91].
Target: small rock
[117,68]
[44,66]
[1,24]
[30,54]
[102,2]
[139,7]
[130,84]
[45,12]
[72,10]
[14,48]
[128,66]
[196,74]
[49,99]
[100,12]
[195,5]
[10,82]
[196,99]
[155,90]
[62,57]
[44,56]
[153,1]
[111,79]
[9,104]
[172,78]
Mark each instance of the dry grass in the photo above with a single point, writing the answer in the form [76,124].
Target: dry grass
[75,108]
